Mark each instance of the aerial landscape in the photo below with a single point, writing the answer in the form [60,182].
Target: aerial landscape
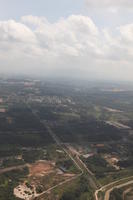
[55,133]
[66,100]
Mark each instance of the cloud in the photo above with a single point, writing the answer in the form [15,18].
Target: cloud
[126,32]
[73,46]
[34,20]
[13,31]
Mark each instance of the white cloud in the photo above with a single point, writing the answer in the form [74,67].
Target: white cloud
[126,32]
[13,31]
[70,46]
[34,20]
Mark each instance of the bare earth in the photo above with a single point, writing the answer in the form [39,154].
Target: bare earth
[41,167]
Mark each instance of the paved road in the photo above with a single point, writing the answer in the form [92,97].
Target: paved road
[78,162]
[74,161]
[107,194]
[8,169]
[84,165]
[111,185]
[126,192]
[82,169]
[60,184]
[58,142]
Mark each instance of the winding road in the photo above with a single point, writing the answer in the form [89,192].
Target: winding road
[115,184]
[107,194]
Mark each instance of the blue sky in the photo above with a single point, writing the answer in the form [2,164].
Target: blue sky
[51,9]
[55,9]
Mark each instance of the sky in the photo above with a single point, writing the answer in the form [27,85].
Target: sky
[88,39]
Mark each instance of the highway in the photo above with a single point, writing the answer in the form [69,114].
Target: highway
[77,161]
[74,161]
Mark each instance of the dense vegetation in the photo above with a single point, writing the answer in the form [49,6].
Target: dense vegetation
[78,191]
[98,165]
[8,181]
[87,130]
[116,194]
[24,129]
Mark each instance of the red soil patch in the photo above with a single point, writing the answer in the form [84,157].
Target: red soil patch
[41,167]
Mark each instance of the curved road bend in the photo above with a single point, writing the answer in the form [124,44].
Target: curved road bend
[107,193]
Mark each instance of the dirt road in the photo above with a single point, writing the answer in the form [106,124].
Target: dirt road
[8,169]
